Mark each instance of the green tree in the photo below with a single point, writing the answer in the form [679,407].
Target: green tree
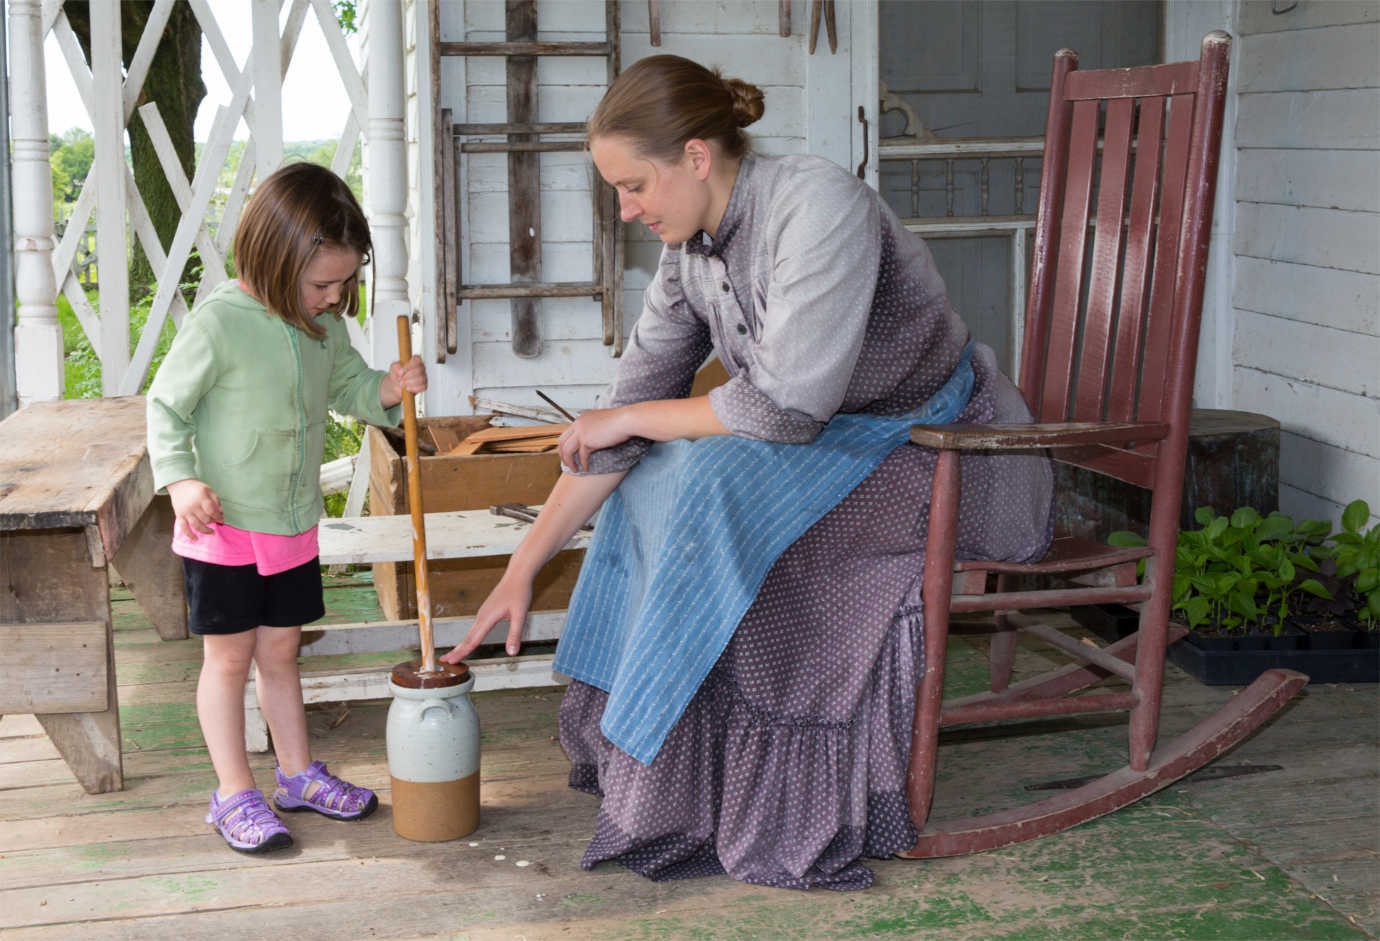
[345,13]
[72,154]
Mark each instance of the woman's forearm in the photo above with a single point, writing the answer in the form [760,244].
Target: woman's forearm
[671,419]
[569,506]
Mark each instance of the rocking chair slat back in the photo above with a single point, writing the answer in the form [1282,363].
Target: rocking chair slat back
[1073,232]
[1106,256]
[1108,318]
[1156,362]
[1135,279]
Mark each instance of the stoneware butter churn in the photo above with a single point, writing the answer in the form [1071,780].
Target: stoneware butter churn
[433,752]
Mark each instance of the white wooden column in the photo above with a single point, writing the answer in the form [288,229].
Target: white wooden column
[386,182]
[267,66]
[38,335]
[112,251]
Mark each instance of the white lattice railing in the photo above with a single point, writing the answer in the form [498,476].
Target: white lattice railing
[109,93]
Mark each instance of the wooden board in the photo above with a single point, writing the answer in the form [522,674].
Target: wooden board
[78,462]
[524,179]
[56,667]
[459,534]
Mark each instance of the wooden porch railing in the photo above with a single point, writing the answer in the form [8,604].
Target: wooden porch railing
[44,264]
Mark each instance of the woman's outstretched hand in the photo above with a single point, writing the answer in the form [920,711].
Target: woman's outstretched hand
[594,430]
[510,600]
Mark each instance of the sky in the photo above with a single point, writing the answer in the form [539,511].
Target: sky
[313,109]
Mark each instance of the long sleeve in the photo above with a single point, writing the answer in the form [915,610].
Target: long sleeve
[667,345]
[354,386]
[822,234]
[187,372]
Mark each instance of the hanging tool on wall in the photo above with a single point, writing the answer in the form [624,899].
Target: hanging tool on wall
[785,14]
[654,19]
[826,8]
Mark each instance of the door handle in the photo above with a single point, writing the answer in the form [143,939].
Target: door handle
[862,119]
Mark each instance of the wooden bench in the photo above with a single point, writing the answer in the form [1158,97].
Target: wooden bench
[454,535]
[76,496]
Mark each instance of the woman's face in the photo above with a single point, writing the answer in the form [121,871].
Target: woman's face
[671,199]
[324,279]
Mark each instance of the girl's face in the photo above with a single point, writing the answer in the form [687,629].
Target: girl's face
[671,199]
[324,279]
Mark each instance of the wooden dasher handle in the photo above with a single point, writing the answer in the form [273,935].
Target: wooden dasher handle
[414,500]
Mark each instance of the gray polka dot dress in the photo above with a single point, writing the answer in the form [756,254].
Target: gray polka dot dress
[789,764]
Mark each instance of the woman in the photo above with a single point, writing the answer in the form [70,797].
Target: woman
[768,740]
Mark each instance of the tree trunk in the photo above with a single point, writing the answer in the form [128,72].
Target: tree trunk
[174,84]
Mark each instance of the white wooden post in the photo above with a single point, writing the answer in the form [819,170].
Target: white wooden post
[386,182]
[267,66]
[38,336]
[112,252]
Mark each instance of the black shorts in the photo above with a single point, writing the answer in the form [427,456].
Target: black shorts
[232,599]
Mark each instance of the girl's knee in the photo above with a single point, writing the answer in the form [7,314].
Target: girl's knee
[276,649]
[227,654]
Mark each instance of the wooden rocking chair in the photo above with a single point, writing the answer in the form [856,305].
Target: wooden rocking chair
[1107,367]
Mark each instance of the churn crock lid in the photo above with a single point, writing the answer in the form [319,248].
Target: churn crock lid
[409,676]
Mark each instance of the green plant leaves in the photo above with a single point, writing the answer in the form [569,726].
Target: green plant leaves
[1355,516]
[1245,571]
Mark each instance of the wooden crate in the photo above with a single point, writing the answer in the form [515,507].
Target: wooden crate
[470,482]
[1233,461]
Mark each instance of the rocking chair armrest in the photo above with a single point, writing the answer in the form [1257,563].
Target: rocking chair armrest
[1007,437]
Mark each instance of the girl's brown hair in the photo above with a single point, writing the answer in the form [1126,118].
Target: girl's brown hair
[295,211]
[661,102]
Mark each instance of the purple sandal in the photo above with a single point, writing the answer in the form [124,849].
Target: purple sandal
[331,796]
[247,823]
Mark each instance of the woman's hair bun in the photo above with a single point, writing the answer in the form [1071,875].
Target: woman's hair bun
[748,101]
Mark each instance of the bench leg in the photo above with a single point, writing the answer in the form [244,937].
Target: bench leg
[146,562]
[90,741]
[90,744]
[51,579]
[255,728]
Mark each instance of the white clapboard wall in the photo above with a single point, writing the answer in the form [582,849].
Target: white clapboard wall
[575,365]
[1306,286]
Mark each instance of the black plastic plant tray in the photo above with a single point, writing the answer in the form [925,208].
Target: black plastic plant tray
[1233,665]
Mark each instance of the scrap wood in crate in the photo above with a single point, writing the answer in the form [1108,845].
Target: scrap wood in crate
[516,439]
[462,482]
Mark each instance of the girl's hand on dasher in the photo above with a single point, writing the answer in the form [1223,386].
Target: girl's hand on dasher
[409,376]
[509,601]
[195,507]
[594,430]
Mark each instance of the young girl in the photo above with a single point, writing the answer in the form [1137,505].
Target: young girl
[766,736]
[237,417]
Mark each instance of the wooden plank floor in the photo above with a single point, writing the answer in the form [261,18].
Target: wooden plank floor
[1287,854]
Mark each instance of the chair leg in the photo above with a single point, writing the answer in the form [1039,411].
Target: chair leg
[1149,680]
[1002,658]
[938,582]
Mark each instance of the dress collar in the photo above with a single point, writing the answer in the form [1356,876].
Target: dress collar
[700,243]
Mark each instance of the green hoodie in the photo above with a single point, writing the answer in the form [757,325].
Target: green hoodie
[240,403]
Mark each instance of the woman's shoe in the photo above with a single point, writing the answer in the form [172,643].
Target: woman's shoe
[319,790]
[247,822]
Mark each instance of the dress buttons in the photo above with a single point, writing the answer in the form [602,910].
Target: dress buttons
[742,328]
[725,287]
